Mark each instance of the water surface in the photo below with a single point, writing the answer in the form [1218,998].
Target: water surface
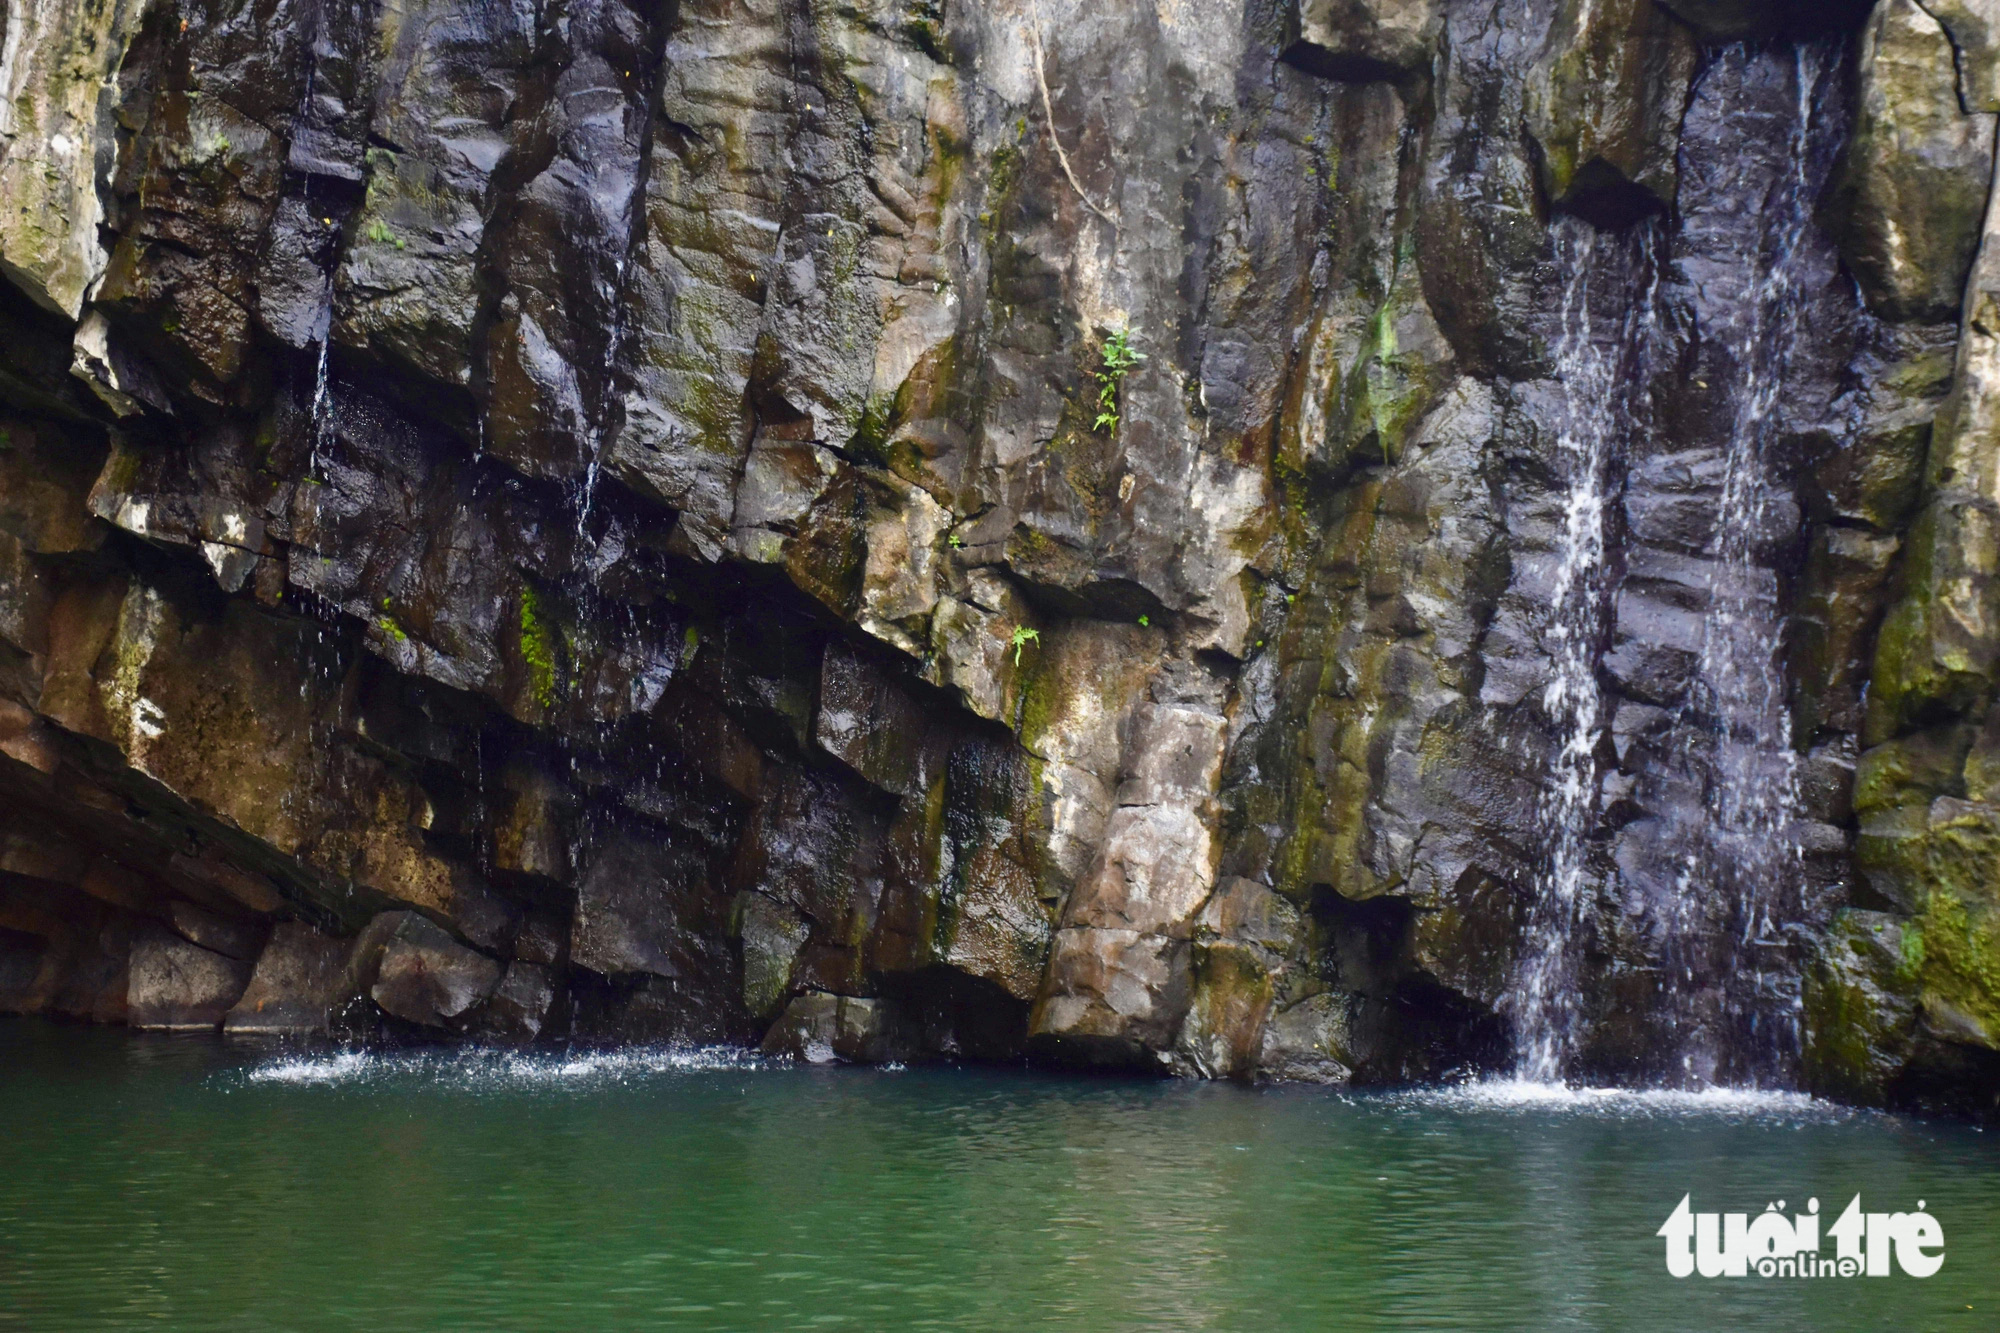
[164,1182]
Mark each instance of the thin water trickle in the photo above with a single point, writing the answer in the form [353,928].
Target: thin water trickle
[615,299]
[322,405]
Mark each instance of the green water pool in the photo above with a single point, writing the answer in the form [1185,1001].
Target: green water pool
[186,1183]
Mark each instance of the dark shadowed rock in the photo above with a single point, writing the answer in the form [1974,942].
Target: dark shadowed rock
[643,907]
[423,975]
[771,936]
[519,1006]
[230,938]
[178,986]
[1307,1042]
[817,1028]
[300,977]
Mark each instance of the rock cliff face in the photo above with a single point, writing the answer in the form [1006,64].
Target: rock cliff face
[639,522]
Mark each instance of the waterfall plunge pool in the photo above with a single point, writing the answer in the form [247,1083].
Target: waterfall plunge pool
[187,1183]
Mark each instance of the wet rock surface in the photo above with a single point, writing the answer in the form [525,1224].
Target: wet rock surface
[650,508]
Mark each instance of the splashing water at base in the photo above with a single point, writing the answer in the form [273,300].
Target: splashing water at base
[474,1069]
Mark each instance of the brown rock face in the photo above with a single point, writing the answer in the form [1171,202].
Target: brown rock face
[1915,181]
[914,527]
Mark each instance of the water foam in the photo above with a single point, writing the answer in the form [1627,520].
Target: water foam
[1523,1095]
[480,1069]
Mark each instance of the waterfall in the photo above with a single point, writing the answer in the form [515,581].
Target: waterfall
[1598,365]
[1700,896]
[1741,873]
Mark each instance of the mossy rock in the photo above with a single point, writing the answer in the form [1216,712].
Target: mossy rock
[1860,1008]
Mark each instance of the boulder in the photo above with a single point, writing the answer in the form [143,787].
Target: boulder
[637,908]
[869,722]
[519,1006]
[1860,1008]
[423,975]
[300,977]
[177,986]
[230,937]
[819,1028]
[1118,982]
[1974,28]
[772,935]
[1240,963]
[58,92]
[1912,193]
[1936,651]
[1307,1043]
[1605,102]
[1114,997]
[1361,40]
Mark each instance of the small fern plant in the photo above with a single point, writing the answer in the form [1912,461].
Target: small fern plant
[1119,357]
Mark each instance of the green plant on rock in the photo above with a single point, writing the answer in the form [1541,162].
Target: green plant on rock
[1022,637]
[538,649]
[1119,357]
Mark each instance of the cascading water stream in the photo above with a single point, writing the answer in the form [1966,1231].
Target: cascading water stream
[1720,785]
[1741,872]
[1596,368]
